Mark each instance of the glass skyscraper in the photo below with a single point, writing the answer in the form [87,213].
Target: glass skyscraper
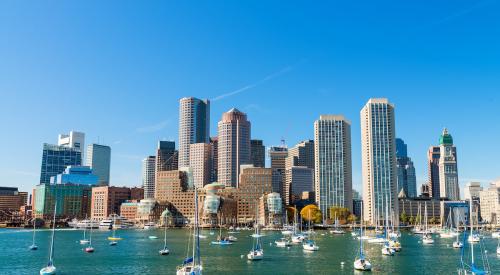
[99,159]
[56,158]
[407,181]
[194,125]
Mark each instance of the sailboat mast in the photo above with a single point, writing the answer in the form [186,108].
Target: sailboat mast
[471,231]
[51,256]
[196,243]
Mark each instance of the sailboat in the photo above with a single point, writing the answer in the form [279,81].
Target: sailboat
[474,237]
[113,238]
[336,230]
[309,244]
[498,248]
[257,253]
[447,232]
[50,269]
[193,265]
[457,243]
[361,262]
[286,228]
[165,250]
[386,249]
[472,269]
[33,246]
[221,240]
[85,240]
[427,237]
[297,237]
[89,248]
[418,228]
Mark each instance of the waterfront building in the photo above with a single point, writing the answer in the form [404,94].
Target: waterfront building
[73,200]
[472,190]
[11,199]
[277,156]
[333,164]
[194,125]
[173,187]
[271,210]
[490,204]
[76,175]
[148,176]
[99,159]
[258,153]
[217,208]
[106,200]
[233,146]
[406,179]
[254,183]
[356,207]
[448,172]
[410,206]
[200,162]
[128,210]
[214,145]
[166,156]
[432,188]
[298,179]
[378,157]
[56,158]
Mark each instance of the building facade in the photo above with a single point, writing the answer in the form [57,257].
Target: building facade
[277,156]
[214,145]
[73,200]
[166,156]
[333,164]
[56,158]
[194,125]
[172,187]
[490,204]
[106,200]
[74,139]
[11,199]
[148,176]
[448,171]
[200,161]
[378,149]
[254,183]
[258,153]
[301,154]
[234,147]
[407,180]
[98,158]
[433,156]
[472,190]
[76,175]
[298,179]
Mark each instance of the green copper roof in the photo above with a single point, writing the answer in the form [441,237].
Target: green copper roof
[445,138]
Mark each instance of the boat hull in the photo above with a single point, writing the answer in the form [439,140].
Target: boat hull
[362,265]
[189,270]
[48,270]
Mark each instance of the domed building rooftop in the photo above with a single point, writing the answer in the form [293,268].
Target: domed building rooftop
[445,138]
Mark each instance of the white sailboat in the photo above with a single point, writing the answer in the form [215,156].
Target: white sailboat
[447,232]
[498,248]
[427,237]
[283,242]
[386,249]
[457,243]
[361,262]
[89,248]
[256,253]
[33,246]
[85,240]
[418,228]
[165,250]
[113,238]
[50,269]
[297,237]
[193,265]
[474,237]
[309,244]
[336,230]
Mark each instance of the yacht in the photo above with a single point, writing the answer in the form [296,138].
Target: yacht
[283,242]
[361,262]
[106,224]
[50,269]
[150,225]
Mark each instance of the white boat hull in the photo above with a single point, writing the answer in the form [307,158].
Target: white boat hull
[362,265]
[377,240]
[84,241]
[48,270]
[309,247]
[190,270]
[255,255]
[428,241]
[458,244]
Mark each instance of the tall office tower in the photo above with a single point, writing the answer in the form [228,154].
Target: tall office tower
[333,164]
[298,179]
[472,190]
[378,144]
[74,140]
[56,158]
[166,156]
[200,161]
[214,145]
[258,153]
[278,155]
[301,154]
[149,176]
[433,156]
[448,172]
[99,159]
[407,181]
[254,182]
[233,146]
[194,125]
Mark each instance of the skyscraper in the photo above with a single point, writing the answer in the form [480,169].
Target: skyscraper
[378,147]
[301,154]
[258,153]
[149,176]
[200,161]
[278,155]
[298,179]
[233,146]
[333,165]
[214,146]
[407,180]
[433,156]
[194,125]
[166,156]
[56,158]
[74,140]
[99,159]
[448,172]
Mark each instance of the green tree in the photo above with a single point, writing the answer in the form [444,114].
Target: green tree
[352,218]
[311,213]
[412,220]
[341,213]
[403,217]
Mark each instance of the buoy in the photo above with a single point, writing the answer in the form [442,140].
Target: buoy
[342,263]
[242,256]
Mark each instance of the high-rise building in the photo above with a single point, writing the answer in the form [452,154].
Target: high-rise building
[74,140]
[301,154]
[490,204]
[433,156]
[148,176]
[299,179]
[233,146]
[333,164]
[258,153]
[76,175]
[106,200]
[472,190]
[56,158]
[194,125]
[200,161]
[278,155]
[99,159]
[378,147]
[172,187]
[254,182]
[11,199]
[448,172]
[166,156]
[214,145]
[407,180]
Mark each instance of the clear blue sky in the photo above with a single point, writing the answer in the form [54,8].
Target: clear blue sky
[116,69]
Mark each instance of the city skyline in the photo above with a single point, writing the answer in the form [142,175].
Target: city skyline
[280,88]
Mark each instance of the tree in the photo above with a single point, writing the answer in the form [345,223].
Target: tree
[403,217]
[352,218]
[311,213]
[290,212]
[341,213]
[412,220]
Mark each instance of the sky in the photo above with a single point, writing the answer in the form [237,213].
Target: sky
[117,69]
